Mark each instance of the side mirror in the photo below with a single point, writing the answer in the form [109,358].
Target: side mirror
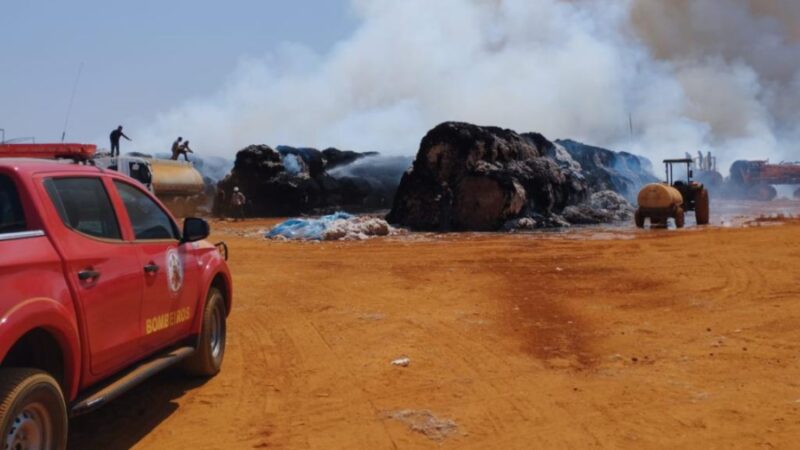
[691,173]
[195,229]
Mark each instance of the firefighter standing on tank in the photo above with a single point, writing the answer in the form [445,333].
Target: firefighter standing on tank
[176,148]
[114,137]
[180,147]
[184,150]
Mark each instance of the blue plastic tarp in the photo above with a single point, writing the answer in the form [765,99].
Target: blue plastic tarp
[306,229]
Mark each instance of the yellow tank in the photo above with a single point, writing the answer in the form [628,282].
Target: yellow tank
[659,196]
[175,178]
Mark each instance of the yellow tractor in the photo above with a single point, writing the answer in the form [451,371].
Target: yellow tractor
[672,199]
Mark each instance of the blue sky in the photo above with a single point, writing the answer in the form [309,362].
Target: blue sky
[139,57]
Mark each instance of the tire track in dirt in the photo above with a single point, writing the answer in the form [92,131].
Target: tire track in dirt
[234,393]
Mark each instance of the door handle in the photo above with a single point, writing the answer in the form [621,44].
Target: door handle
[88,274]
[151,268]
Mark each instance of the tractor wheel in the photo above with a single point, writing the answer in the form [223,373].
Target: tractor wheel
[701,207]
[679,218]
[639,219]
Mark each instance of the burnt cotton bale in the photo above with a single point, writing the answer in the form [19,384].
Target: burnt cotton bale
[468,177]
[292,181]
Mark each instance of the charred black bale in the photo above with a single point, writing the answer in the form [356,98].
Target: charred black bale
[293,181]
[467,177]
[261,176]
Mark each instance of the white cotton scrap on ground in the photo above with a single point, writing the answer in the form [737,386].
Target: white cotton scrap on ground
[403,361]
[356,229]
[424,422]
[372,316]
[333,227]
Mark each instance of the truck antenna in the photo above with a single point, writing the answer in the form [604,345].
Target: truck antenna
[71,100]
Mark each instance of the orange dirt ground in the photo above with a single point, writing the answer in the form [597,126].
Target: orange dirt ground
[619,339]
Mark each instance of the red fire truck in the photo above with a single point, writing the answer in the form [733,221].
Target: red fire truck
[99,289]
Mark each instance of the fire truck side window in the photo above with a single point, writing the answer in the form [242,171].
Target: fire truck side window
[12,219]
[83,205]
[149,221]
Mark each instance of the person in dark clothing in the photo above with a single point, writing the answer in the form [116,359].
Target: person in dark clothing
[176,149]
[114,136]
[184,150]
[238,200]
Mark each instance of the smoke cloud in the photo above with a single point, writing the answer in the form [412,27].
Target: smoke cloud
[654,77]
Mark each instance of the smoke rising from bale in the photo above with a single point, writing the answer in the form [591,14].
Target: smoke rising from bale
[722,75]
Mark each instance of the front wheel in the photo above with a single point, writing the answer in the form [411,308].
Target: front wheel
[207,358]
[33,414]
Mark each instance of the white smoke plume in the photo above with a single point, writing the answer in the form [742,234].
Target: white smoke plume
[719,75]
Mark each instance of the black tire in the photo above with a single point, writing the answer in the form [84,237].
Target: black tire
[701,207]
[679,218]
[638,218]
[770,193]
[207,358]
[33,413]
[762,192]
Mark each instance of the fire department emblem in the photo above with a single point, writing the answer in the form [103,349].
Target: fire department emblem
[174,270]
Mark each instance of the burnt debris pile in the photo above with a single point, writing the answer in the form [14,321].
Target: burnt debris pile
[621,172]
[289,181]
[468,177]
[601,207]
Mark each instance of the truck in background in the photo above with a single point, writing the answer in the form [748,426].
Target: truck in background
[177,184]
[756,179]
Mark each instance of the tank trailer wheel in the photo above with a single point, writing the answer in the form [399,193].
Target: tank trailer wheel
[761,192]
[33,412]
[639,219]
[679,217]
[701,212]
[207,359]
